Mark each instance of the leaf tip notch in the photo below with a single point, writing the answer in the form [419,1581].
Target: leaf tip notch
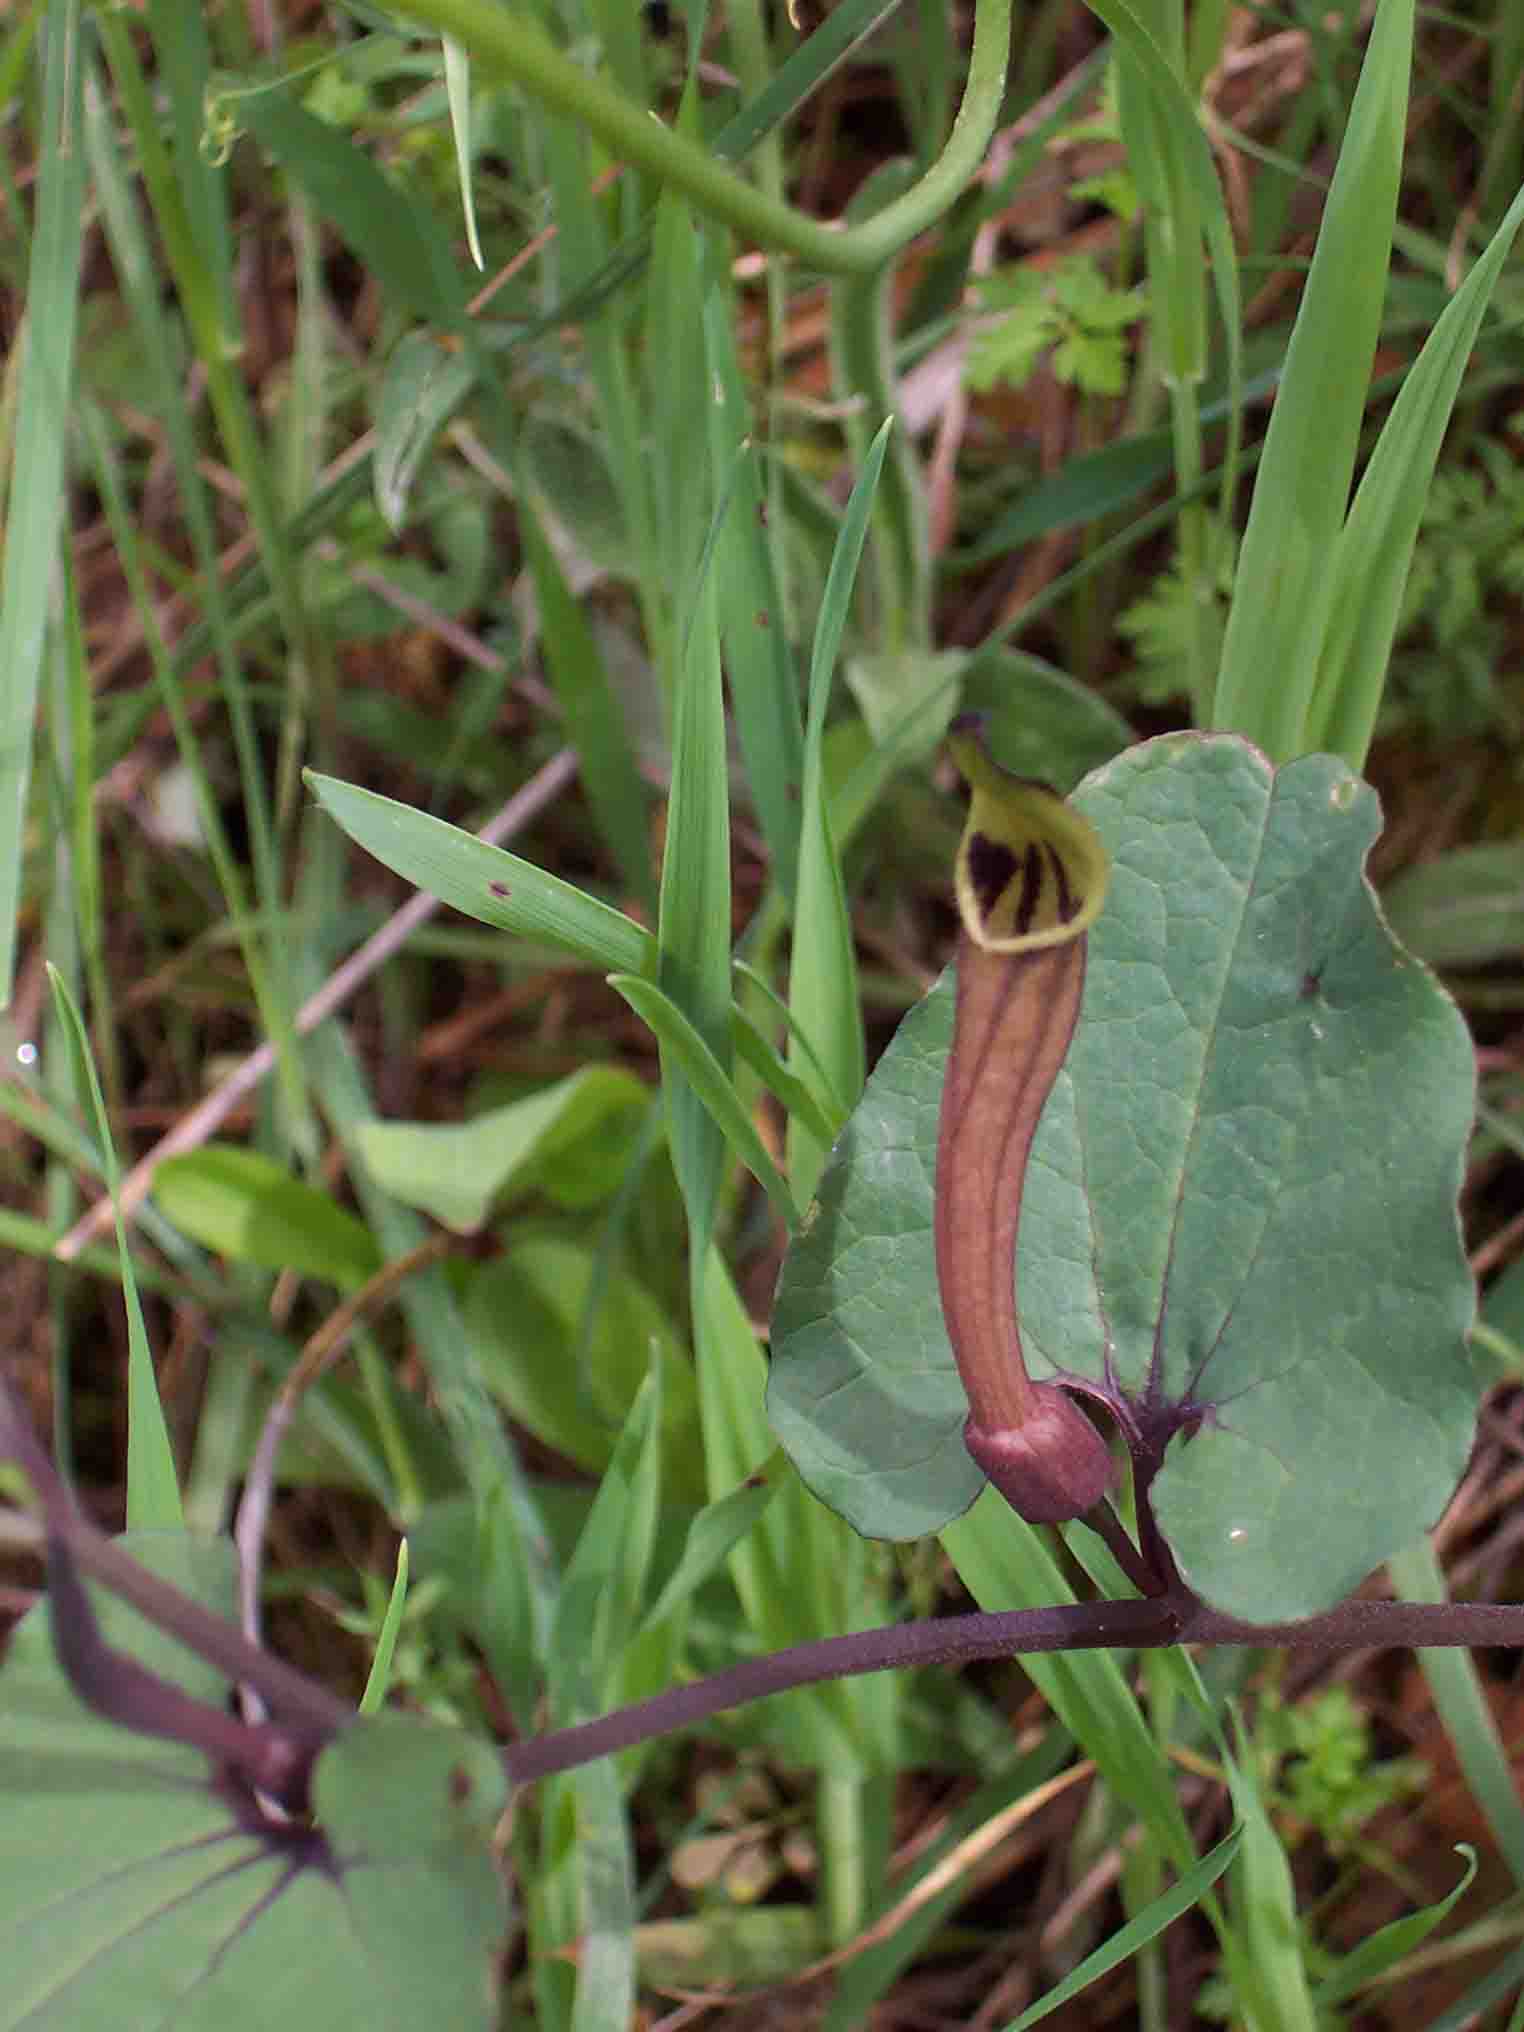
[1031,878]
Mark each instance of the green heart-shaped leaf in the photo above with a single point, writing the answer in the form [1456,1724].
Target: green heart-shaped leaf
[138,1888]
[1239,1226]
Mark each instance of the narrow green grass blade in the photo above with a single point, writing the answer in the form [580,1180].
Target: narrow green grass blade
[1006,1565]
[399,242]
[457,70]
[712,1536]
[1376,546]
[1263,1911]
[487,883]
[693,937]
[1158,157]
[795,1097]
[829,1103]
[1146,1926]
[17,49]
[183,65]
[1494,1988]
[709,1081]
[153,1493]
[191,231]
[74,735]
[379,1677]
[70,922]
[823,997]
[605,1579]
[862,364]
[511,1616]
[599,1606]
[593,721]
[568,167]
[1191,164]
[605,1945]
[1286,587]
[764,686]
[798,1572]
[1384,1948]
[1462,1707]
[43,404]
[579,1882]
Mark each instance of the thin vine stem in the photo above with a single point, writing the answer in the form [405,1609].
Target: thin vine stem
[1150,1624]
[507,44]
[310,1716]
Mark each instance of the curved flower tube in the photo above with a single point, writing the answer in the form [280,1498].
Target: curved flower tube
[1030,878]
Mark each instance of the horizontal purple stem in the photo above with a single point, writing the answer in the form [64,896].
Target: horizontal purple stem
[1147,1624]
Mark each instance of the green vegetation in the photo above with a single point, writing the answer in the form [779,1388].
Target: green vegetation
[636,449]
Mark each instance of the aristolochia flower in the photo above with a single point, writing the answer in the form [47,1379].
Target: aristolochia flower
[1031,877]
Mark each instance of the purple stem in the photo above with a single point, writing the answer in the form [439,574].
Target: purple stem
[1147,1624]
[277,1756]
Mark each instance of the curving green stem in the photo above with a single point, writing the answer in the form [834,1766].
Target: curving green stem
[508,45]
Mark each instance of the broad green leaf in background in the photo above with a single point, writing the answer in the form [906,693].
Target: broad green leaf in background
[422,388]
[524,1313]
[135,1890]
[568,472]
[400,241]
[1463,908]
[456,1170]
[1040,722]
[1235,1233]
[247,1207]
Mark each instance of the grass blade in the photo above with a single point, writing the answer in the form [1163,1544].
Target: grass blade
[42,432]
[1148,1925]
[593,722]
[487,883]
[1286,589]
[1385,1947]
[823,996]
[693,965]
[709,1081]
[1462,1707]
[379,1677]
[153,1492]
[764,687]
[1376,546]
